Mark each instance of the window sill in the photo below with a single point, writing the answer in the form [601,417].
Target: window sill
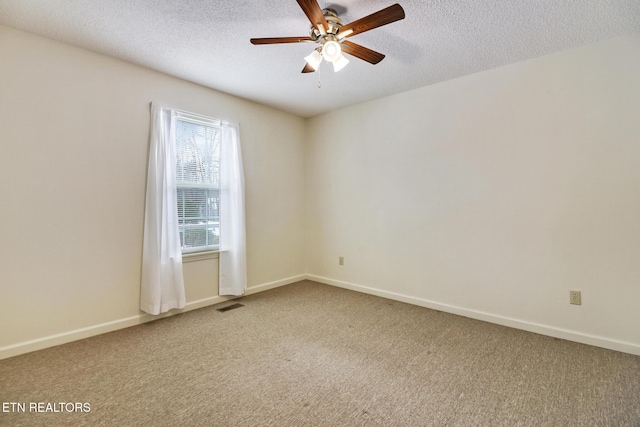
[200,256]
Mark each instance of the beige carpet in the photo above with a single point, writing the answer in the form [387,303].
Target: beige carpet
[308,354]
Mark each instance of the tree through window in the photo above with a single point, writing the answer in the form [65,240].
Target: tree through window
[198,182]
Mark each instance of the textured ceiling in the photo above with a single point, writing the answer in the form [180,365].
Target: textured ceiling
[207,41]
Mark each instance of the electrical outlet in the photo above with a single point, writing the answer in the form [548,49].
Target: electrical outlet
[575,297]
[341,260]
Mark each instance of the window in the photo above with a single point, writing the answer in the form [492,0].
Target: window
[198,182]
[194,203]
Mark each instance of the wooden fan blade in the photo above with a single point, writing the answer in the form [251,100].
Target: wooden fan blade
[377,19]
[361,52]
[275,40]
[308,69]
[312,9]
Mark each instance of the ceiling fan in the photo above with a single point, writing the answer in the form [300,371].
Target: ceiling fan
[328,30]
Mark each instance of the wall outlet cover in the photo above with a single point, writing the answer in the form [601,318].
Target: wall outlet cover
[575,297]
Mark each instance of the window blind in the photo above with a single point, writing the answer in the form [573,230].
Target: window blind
[198,182]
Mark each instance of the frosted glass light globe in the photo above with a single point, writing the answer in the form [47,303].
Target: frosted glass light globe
[331,50]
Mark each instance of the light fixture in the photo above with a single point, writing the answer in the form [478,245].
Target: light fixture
[314,59]
[340,63]
[331,50]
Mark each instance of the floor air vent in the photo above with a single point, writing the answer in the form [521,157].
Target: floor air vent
[230,307]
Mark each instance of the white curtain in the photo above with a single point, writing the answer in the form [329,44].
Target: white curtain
[162,287]
[233,252]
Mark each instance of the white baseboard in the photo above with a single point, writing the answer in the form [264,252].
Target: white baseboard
[552,331]
[65,337]
[276,284]
[77,334]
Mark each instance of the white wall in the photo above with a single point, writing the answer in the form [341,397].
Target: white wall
[492,195]
[74,129]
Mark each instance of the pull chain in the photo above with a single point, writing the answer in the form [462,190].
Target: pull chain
[318,71]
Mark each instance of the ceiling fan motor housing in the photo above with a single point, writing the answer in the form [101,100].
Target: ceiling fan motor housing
[334,22]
